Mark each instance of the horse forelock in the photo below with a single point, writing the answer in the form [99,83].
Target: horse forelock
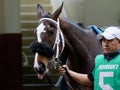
[47,15]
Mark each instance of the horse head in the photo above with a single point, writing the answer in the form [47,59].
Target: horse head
[49,40]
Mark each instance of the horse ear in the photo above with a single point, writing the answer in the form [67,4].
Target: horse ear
[56,14]
[40,11]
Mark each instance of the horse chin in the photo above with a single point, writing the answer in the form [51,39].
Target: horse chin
[42,75]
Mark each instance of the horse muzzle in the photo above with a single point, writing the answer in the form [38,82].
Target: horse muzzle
[41,70]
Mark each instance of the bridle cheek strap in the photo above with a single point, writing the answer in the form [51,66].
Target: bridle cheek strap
[59,35]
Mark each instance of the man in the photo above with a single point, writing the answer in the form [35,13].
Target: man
[106,72]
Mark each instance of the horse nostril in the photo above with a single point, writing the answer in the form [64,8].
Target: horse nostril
[41,68]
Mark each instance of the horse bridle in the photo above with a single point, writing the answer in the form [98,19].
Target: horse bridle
[59,36]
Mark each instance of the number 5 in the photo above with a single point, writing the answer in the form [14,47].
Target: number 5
[101,81]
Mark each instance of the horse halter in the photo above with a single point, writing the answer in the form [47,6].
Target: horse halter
[58,35]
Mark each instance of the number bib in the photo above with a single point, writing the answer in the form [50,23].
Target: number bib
[106,73]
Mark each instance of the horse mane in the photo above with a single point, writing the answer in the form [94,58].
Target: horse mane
[80,24]
[77,42]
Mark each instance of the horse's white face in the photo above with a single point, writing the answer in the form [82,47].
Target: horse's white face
[40,30]
[40,62]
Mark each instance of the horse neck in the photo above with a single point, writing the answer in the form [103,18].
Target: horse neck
[75,46]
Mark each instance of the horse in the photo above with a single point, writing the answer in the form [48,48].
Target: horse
[54,35]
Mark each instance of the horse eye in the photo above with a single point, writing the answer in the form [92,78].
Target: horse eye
[51,32]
